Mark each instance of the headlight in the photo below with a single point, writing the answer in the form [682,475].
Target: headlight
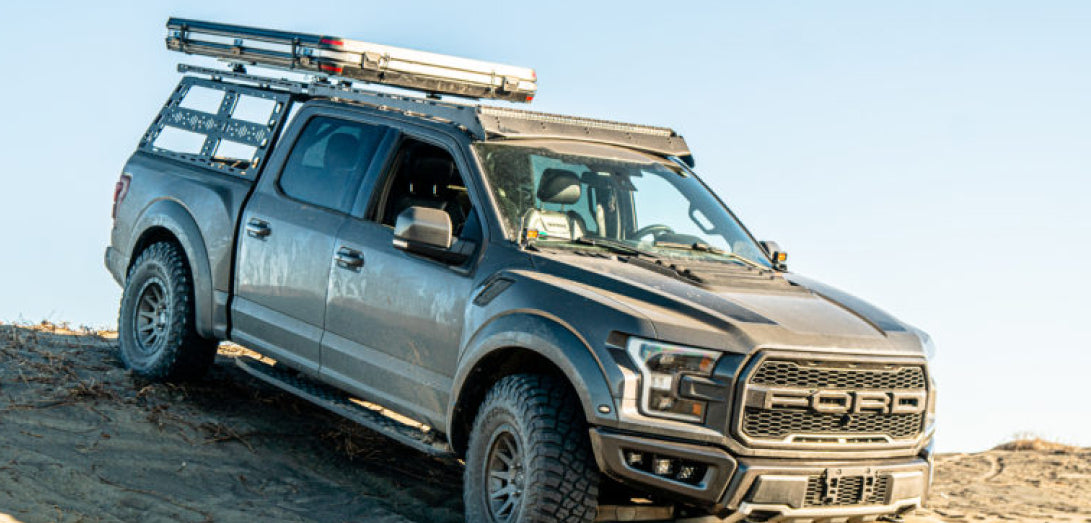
[929,348]
[662,365]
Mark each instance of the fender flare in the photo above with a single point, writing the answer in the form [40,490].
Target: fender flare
[554,340]
[175,218]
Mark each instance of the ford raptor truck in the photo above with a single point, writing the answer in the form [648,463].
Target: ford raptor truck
[559,302]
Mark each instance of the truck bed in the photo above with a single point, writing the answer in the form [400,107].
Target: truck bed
[199,206]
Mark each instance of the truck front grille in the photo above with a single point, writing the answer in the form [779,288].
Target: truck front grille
[798,402]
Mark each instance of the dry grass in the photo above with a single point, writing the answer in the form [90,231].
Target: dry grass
[1031,441]
[1037,444]
[64,328]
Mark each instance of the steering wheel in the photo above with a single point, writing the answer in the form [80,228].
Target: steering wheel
[654,229]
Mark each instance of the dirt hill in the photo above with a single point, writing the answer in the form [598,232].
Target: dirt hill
[1029,480]
[82,440]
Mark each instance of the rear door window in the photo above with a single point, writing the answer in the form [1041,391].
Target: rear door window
[328,160]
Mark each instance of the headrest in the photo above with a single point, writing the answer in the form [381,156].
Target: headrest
[559,186]
[430,175]
[438,169]
[341,151]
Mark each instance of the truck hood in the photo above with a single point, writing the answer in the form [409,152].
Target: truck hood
[733,307]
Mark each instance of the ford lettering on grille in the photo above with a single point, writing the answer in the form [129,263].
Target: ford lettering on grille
[845,402]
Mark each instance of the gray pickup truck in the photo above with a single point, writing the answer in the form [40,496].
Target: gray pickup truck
[560,302]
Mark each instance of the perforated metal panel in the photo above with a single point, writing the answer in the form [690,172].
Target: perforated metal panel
[219,126]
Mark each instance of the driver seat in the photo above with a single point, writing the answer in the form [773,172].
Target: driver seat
[561,187]
[427,185]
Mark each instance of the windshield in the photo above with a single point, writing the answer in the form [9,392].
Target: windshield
[563,194]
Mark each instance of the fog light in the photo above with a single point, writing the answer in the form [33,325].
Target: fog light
[635,459]
[686,472]
[663,467]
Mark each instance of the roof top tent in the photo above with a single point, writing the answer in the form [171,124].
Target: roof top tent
[434,74]
[353,59]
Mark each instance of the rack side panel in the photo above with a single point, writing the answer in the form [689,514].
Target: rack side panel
[218,125]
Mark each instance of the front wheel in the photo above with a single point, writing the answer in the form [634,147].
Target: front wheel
[529,457]
[157,335]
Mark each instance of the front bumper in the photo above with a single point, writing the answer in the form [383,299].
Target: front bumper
[770,489]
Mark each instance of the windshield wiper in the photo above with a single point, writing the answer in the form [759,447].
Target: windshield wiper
[614,246]
[704,247]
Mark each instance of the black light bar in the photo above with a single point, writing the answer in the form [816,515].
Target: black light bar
[352,59]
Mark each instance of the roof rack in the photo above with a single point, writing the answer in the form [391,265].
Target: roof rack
[340,57]
[482,122]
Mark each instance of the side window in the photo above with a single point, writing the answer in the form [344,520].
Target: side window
[426,175]
[327,159]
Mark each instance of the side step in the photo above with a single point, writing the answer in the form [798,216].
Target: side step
[338,402]
[615,513]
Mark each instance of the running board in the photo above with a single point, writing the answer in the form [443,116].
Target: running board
[338,402]
[634,513]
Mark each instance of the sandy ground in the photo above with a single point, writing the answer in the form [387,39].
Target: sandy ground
[1038,484]
[83,441]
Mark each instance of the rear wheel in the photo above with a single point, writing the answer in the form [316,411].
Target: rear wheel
[157,336]
[529,457]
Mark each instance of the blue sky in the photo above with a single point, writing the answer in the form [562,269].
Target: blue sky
[932,157]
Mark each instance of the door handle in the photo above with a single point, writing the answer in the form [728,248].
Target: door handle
[349,258]
[258,228]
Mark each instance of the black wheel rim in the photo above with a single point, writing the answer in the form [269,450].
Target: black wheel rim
[151,316]
[504,477]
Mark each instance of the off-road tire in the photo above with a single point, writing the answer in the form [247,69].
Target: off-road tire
[559,475]
[157,304]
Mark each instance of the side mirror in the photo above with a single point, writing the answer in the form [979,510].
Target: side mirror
[427,232]
[777,254]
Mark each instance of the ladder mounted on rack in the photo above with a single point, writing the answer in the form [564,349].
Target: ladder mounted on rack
[353,60]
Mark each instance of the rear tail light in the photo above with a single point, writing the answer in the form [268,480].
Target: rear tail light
[121,188]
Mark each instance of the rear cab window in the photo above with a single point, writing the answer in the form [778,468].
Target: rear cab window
[327,160]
